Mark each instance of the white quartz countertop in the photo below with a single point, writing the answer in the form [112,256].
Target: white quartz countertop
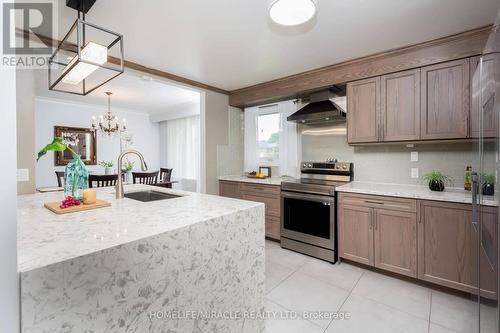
[267,181]
[45,238]
[414,192]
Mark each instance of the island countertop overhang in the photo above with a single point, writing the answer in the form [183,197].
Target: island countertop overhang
[45,238]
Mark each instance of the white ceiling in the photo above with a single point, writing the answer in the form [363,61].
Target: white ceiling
[130,91]
[231,44]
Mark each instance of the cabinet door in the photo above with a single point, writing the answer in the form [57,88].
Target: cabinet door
[229,189]
[445,100]
[396,241]
[489,120]
[356,234]
[447,245]
[400,106]
[363,110]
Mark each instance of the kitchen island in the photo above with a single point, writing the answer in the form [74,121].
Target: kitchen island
[181,265]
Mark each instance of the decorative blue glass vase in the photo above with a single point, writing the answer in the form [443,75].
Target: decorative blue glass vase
[76,178]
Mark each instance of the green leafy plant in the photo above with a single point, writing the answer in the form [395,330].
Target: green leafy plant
[106,164]
[128,165]
[488,178]
[437,176]
[56,145]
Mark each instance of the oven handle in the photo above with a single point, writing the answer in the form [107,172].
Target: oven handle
[309,197]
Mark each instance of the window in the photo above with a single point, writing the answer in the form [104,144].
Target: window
[268,137]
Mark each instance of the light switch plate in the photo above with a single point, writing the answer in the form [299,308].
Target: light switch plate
[23,175]
[414,156]
[414,172]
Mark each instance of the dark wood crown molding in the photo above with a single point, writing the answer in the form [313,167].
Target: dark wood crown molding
[462,45]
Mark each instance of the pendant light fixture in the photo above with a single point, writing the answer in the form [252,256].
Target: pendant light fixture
[292,12]
[87,57]
[108,122]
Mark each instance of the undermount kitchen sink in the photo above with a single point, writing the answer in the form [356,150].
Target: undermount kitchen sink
[147,196]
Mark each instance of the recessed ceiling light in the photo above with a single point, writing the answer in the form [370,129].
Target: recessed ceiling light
[292,12]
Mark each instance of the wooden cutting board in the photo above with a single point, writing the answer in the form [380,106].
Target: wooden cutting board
[54,207]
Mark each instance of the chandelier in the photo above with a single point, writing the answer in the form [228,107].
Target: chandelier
[87,57]
[108,122]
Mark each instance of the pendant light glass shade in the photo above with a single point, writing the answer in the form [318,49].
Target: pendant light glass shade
[292,12]
[88,57]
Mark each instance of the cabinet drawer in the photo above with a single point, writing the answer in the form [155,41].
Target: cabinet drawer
[273,227]
[257,189]
[376,201]
[272,203]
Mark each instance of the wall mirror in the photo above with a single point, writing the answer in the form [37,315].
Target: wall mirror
[82,140]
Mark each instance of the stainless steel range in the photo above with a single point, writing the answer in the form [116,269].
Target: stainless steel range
[308,210]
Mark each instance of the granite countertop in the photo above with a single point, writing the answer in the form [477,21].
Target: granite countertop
[414,192]
[46,238]
[267,181]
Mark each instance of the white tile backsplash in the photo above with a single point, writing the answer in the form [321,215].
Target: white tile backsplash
[391,163]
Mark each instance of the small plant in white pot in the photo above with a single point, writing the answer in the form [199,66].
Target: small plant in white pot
[107,165]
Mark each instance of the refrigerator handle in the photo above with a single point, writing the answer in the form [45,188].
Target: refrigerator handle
[475,205]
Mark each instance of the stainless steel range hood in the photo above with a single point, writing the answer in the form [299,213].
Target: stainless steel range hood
[325,107]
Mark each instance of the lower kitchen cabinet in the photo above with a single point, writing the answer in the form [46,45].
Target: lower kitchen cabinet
[448,245]
[433,241]
[269,195]
[230,189]
[355,225]
[379,231]
[395,241]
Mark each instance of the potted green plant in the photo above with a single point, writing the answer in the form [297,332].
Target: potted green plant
[76,175]
[107,165]
[436,180]
[127,167]
[488,184]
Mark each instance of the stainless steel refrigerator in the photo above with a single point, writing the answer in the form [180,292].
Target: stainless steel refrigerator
[485,125]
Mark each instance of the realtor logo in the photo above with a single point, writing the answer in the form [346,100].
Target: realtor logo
[27,33]
[29,18]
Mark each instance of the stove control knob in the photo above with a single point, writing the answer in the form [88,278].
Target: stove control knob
[337,167]
[309,165]
[344,167]
[304,165]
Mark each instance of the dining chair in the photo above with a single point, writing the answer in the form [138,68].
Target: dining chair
[102,180]
[165,174]
[148,178]
[60,178]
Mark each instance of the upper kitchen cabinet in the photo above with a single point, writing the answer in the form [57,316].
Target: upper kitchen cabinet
[445,101]
[363,105]
[400,106]
[482,76]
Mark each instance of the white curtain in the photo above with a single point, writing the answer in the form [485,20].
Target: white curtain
[288,162]
[180,150]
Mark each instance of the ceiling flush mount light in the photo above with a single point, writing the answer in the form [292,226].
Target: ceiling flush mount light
[108,122]
[87,57]
[292,12]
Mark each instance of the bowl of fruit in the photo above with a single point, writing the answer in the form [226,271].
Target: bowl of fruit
[255,174]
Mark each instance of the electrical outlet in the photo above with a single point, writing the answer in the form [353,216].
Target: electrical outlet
[23,175]
[414,172]
[414,156]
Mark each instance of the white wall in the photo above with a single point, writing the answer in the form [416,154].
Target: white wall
[179,111]
[215,133]
[9,287]
[50,113]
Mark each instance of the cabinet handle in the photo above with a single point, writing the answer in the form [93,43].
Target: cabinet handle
[374,202]
[371,224]
[467,129]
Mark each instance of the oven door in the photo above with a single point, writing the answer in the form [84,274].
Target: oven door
[308,218]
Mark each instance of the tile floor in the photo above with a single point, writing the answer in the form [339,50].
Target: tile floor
[375,302]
